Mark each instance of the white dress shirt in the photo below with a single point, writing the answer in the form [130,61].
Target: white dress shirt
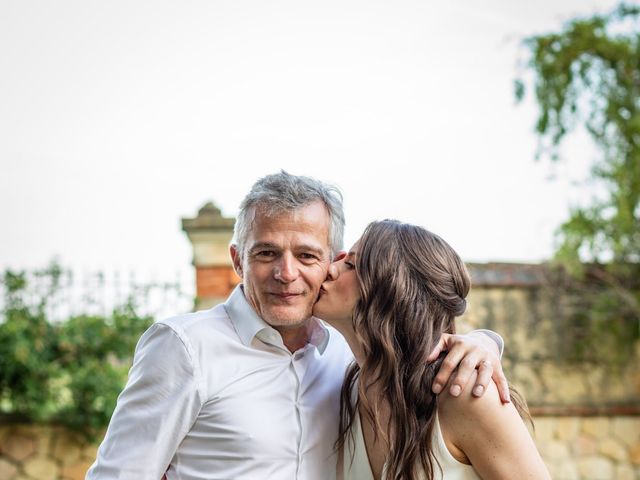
[217,395]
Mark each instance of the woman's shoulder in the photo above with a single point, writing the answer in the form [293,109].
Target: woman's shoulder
[451,412]
[465,416]
[490,434]
[466,402]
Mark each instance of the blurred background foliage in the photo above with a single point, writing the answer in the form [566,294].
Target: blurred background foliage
[68,372]
[588,74]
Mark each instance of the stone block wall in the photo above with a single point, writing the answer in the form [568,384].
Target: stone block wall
[590,448]
[36,452]
[515,301]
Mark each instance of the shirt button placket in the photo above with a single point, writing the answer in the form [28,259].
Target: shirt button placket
[294,359]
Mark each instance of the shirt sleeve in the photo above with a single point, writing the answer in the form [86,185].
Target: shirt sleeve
[494,336]
[154,412]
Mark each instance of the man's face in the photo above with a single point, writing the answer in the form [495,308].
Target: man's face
[284,262]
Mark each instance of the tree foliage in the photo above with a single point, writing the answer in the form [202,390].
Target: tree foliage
[589,74]
[68,372]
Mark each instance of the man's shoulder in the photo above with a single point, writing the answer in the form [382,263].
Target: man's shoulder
[197,324]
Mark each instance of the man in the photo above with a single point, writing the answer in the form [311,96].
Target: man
[250,389]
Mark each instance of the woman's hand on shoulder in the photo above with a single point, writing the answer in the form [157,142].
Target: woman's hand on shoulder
[467,354]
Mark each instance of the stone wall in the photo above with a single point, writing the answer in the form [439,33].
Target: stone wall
[590,448]
[29,452]
[516,301]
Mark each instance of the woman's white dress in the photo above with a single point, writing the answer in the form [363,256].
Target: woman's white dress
[359,469]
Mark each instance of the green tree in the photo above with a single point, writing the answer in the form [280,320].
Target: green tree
[589,74]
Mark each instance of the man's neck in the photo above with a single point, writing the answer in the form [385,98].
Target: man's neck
[294,338]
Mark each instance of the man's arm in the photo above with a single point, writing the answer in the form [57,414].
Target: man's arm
[481,350]
[154,412]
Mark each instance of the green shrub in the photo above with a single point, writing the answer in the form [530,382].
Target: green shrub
[68,372]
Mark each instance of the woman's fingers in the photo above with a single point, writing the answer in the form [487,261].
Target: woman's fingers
[439,348]
[501,381]
[465,370]
[485,371]
[467,353]
[449,364]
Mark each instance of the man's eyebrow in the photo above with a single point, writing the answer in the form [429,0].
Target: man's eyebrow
[261,245]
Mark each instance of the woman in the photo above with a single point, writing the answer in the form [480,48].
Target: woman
[392,297]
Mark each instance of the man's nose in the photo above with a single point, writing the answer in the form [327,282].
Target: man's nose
[333,272]
[285,269]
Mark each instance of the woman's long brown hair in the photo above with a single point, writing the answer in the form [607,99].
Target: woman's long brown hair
[412,286]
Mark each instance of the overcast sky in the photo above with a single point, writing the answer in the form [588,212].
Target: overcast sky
[118,118]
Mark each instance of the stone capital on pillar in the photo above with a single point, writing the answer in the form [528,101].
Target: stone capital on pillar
[210,234]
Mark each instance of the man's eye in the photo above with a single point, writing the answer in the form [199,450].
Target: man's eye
[308,256]
[265,253]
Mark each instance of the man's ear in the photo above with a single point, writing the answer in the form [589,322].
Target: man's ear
[235,258]
[339,256]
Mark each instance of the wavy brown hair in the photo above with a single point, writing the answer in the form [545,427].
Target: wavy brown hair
[412,286]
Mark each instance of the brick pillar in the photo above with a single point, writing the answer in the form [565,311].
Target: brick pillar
[210,234]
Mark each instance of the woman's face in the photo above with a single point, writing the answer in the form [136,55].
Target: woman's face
[340,291]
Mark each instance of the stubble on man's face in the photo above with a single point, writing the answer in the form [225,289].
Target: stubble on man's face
[284,263]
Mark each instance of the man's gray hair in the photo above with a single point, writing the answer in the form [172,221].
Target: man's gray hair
[282,192]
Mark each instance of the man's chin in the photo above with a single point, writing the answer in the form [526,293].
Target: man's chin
[288,321]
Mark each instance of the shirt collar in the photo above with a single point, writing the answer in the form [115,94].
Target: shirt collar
[248,324]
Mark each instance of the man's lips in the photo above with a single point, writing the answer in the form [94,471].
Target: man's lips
[285,295]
